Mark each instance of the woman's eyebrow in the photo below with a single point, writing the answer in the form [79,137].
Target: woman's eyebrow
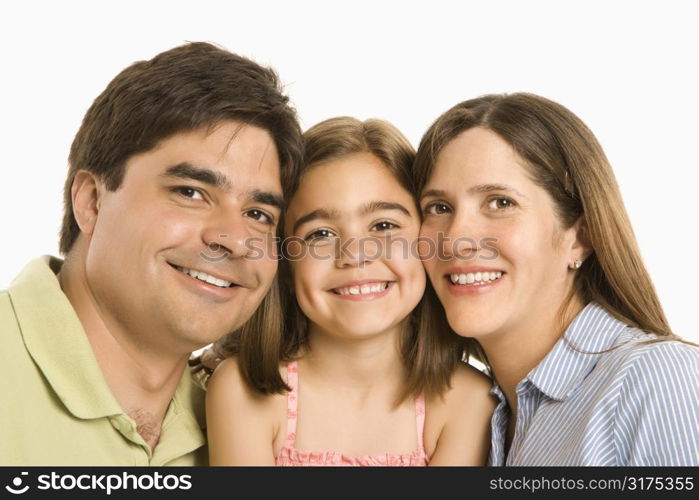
[436,193]
[487,188]
[478,188]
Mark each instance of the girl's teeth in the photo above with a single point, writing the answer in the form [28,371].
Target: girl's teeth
[363,289]
[478,278]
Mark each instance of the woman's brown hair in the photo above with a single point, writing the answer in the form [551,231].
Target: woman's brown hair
[430,351]
[564,158]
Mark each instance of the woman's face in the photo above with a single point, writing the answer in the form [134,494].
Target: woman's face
[504,257]
[353,230]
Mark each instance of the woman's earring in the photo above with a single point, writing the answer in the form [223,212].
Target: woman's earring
[576,264]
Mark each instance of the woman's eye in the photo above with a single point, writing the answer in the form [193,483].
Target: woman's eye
[189,192]
[260,216]
[384,225]
[436,209]
[501,203]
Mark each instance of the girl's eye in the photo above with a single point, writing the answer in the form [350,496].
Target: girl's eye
[436,209]
[319,236]
[501,203]
[189,192]
[260,216]
[384,225]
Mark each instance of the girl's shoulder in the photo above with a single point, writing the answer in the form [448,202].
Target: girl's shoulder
[469,391]
[228,385]
[457,423]
[243,425]
[467,398]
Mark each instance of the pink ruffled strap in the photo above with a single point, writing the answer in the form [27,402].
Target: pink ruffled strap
[292,401]
[290,456]
[420,421]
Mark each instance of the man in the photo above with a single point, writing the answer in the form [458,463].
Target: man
[173,195]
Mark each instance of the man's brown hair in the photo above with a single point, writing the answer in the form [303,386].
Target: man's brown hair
[186,88]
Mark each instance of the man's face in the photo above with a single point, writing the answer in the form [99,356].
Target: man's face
[182,253]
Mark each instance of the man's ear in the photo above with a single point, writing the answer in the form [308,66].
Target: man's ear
[86,194]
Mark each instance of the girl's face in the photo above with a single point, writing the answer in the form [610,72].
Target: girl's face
[504,256]
[353,231]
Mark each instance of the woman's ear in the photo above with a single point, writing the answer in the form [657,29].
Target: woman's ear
[582,244]
[86,193]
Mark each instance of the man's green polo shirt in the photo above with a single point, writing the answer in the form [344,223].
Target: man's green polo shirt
[55,405]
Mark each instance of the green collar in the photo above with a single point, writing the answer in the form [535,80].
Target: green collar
[57,343]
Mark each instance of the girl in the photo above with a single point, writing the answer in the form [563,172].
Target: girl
[357,377]
[540,265]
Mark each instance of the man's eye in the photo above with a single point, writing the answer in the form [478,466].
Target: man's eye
[384,225]
[189,192]
[501,203]
[261,216]
[319,236]
[436,209]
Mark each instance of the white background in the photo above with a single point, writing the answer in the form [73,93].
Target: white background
[628,69]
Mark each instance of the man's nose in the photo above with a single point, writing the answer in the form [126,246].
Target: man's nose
[226,238]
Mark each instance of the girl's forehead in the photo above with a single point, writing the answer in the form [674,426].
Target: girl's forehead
[348,178]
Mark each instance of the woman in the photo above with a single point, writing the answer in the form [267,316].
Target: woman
[535,258]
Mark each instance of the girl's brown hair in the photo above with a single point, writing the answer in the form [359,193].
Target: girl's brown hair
[430,351]
[564,158]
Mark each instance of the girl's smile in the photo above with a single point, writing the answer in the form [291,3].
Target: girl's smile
[354,220]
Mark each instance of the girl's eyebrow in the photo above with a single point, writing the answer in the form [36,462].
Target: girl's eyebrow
[375,206]
[320,213]
[365,209]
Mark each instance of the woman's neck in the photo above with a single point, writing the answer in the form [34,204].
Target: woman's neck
[512,354]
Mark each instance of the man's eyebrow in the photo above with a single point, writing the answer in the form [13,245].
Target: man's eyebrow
[375,206]
[321,213]
[186,170]
[268,198]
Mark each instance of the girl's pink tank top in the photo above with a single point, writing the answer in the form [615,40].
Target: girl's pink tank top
[290,456]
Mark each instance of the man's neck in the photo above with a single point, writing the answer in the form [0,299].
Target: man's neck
[142,378]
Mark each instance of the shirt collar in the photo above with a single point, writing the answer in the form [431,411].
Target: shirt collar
[59,346]
[57,342]
[577,352]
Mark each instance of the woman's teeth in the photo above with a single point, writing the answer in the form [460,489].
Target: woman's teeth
[474,278]
[205,277]
[362,289]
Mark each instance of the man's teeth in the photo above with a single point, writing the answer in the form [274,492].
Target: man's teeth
[205,277]
[362,289]
[474,278]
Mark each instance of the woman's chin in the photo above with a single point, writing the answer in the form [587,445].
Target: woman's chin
[473,325]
